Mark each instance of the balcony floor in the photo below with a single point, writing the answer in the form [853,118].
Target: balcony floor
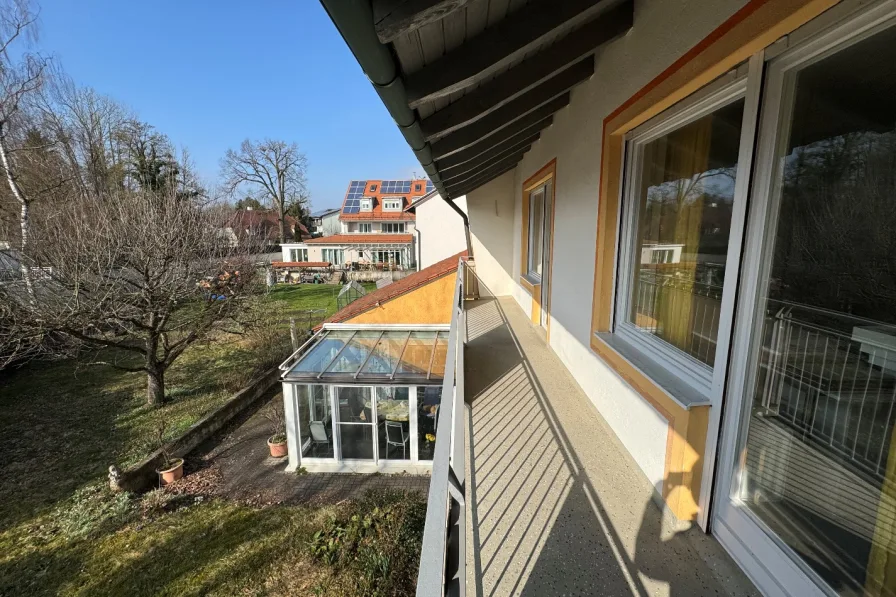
[557,505]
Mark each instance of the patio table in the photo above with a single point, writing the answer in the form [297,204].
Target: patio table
[392,410]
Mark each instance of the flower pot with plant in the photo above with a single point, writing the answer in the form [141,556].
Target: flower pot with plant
[171,469]
[277,440]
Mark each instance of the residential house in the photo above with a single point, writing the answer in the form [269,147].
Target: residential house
[439,231]
[260,229]
[376,231]
[746,379]
[325,222]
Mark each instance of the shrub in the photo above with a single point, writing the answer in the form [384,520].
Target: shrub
[373,545]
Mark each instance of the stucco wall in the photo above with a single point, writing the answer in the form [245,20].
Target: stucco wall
[492,230]
[429,304]
[663,31]
[440,231]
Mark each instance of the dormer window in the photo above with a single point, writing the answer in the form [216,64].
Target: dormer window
[373,188]
[418,188]
[391,204]
[366,204]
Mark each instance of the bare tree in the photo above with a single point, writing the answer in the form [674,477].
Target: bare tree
[144,273]
[274,168]
[20,76]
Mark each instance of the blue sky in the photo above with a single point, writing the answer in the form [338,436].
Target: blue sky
[210,74]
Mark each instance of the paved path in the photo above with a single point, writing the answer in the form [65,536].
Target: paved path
[558,507]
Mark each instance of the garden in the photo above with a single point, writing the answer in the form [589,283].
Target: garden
[63,531]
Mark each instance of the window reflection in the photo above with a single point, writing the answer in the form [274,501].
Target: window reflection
[820,465]
[428,400]
[685,199]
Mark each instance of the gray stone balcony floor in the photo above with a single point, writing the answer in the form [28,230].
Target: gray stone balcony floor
[556,506]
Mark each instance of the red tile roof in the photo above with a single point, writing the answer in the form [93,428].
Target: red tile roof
[300,264]
[264,223]
[361,239]
[396,289]
[377,213]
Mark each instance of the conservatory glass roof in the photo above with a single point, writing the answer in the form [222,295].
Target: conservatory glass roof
[363,356]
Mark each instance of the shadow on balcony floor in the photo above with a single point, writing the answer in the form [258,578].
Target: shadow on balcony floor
[558,506]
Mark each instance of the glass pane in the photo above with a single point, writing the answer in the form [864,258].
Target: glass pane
[315,421]
[438,362]
[351,359]
[428,400]
[685,197]
[319,357]
[536,230]
[355,422]
[819,466]
[417,355]
[393,422]
[386,354]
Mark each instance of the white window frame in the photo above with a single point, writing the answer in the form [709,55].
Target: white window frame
[772,565]
[531,274]
[366,204]
[695,375]
[393,227]
[392,204]
[332,254]
[365,227]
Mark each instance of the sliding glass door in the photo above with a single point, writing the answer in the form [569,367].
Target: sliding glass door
[807,483]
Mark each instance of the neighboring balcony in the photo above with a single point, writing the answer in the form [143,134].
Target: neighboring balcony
[552,502]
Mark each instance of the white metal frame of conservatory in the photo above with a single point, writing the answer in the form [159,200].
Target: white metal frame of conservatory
[370,364]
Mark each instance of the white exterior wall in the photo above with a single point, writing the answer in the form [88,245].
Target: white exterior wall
[375,227]
[440,231]
[663,31]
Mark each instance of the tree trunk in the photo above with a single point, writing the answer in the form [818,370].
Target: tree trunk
[155,385]
[155,370]
[282,218]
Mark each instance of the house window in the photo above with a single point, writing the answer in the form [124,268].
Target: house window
[418,188]
[387,257]
[334,256]
[678,199]
[366,204]
[372,188]
[536,233]
[365,227]
[298,254]
[393,227]
[391,204]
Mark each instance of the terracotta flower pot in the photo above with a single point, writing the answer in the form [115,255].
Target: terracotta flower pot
[174,472]
[278,449]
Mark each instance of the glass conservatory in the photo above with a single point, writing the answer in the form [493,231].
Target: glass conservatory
[365,398]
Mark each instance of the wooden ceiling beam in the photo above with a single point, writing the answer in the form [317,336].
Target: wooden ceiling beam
[478,131]
[494,120]
[503,139]
[460,177]
[394,18]
[488,157]
[531,73]
[508,41]
[487,177]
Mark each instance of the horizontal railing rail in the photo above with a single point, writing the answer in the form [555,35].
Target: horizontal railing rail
[443,553]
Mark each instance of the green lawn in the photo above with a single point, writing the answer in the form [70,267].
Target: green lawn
[295,300]
[63,423]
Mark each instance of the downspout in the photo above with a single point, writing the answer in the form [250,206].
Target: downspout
[354,20]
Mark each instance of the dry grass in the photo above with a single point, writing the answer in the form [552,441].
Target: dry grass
[61,532]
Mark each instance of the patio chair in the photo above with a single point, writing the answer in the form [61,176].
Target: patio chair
[395,437]
[319,433]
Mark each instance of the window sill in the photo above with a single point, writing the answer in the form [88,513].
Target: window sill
[683,395]
[530,284]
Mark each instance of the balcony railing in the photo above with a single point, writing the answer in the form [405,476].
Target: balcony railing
[443,555]
[833,387]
